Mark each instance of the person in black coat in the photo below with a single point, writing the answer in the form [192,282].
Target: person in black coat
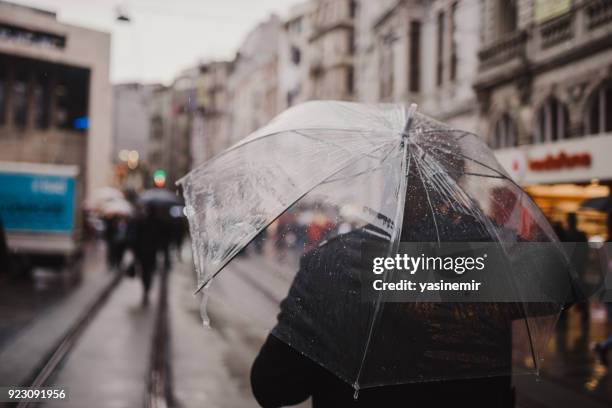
[461,351]
[5,258]
[145,236]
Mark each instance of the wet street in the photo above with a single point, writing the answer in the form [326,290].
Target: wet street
[110,363]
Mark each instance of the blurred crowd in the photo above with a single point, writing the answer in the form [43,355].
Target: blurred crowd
[138,230]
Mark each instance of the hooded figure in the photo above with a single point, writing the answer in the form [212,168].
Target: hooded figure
[412,340]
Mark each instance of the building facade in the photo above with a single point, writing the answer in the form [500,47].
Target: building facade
[253,84]
[131,117]
[55,94]
[293,54]
[211,122]
[161,126]
[408,52]
[545,91]
[331,50]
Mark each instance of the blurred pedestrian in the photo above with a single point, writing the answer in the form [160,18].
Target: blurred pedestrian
[5,258]
[559,230]
[604,347]
[115,235]
[580,253]
[145,242]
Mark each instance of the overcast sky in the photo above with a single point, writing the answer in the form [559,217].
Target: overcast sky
[165,36]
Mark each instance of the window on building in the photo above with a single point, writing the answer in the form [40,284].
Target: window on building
[20,101]
[453,31]
[352,8]
[507,21]
[41,102]
[3,92]
[71,99]
[296,55]
[440,50]
[552,122]
[599,115]
[351,42]
[296,25]
[505,133]
[386,66]
[350,81]
[25,35]
[415,57]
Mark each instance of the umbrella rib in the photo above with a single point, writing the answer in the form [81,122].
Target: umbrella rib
[433,215]
[299,132]
[368,170]
[528,327]
[218,156]
[399,215]
[502,175]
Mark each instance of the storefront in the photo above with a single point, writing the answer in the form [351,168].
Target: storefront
[561,176]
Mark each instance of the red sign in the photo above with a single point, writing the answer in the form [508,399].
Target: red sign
[560,161]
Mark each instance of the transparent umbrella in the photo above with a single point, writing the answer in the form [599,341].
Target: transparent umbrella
[322,180]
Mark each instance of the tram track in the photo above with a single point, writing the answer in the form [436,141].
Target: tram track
[60,352]
[159,391]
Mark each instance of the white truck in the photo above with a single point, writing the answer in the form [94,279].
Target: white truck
[40,212]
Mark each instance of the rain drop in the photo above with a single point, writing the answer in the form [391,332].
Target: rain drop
[204,306]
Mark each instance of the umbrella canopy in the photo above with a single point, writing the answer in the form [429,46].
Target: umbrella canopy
[335,176]
[117,206]
[101,196]
[159,196]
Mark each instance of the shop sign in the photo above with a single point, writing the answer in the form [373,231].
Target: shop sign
[560,161]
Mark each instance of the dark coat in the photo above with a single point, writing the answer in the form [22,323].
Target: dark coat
[329,323]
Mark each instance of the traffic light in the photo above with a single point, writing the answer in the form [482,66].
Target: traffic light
[159,178]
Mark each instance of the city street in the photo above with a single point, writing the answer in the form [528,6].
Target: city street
[110,362]
[174,174]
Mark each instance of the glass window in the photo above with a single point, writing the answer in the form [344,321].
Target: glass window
[440,50]
[2,98]
[20,102]
[505,133]
[350,81]
[552,122]
[415,54]
[507,21]
[599,115]
[41,103]
[296,55]
[453,60]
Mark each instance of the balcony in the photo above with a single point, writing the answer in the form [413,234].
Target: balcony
[556,31]
[584,30]
[598,13]
[511,47]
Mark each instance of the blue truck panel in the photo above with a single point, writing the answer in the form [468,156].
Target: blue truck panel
[37,203]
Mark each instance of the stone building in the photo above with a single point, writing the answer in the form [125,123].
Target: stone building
[331,50]
[545,92]
[253,83]
[131,132]
[172,112]
[293,54]
[55,94]
[423,52]
[161,118]
[131,117]
[211,122]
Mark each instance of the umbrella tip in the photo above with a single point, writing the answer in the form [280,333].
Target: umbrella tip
[409,115]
